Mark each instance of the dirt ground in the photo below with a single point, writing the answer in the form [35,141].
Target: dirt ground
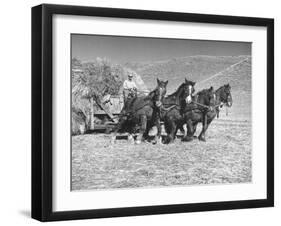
[224,158]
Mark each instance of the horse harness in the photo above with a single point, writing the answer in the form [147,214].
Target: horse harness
[167,109]
[130,113]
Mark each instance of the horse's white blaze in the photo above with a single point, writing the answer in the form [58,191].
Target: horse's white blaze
[160,92]
[188,99]
[190,89]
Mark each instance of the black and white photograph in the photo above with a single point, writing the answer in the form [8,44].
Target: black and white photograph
[145,112]
[157,112]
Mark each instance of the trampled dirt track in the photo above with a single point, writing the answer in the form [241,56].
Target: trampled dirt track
[224,158]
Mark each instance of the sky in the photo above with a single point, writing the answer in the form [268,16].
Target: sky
[120,49]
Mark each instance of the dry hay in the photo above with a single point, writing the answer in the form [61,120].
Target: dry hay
[95,80]
[78,124]
[224,158]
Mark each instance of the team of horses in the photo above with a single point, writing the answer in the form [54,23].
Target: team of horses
[182,109]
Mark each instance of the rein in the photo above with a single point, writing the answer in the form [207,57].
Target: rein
[201,105]
[206,106]
[148,102]
[128,113]
[176,97]
[168,108]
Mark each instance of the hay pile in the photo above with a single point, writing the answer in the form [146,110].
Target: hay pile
[95,79]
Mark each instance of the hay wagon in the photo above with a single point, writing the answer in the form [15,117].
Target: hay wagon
[105,112]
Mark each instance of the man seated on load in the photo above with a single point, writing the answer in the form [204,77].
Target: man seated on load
[129,88]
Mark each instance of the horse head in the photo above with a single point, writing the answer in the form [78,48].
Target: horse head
[211,96]
[225,95]
[159,92]
[207,97]
[188,90]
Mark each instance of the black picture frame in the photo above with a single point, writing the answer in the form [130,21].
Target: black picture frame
[42,112]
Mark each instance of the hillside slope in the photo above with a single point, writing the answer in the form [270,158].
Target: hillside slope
[240,79]
[196,68]
[235,70]
[238,75]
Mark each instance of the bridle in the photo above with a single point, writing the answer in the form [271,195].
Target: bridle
[159,93]
[224,100]
[167,109]
[208,107]
[153,99]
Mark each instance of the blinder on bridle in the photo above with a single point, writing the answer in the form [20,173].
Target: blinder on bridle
[212,97]
[228,100]
[160,92]
[158,97]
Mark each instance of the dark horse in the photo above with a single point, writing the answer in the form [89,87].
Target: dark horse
[141,111]
[173,105]
[221,96]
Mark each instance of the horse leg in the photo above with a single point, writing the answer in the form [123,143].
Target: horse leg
[173,129]
[175,132]
[167,130]
[130,134]
[143,121]
[117,129]
[194,126]
[183,129]
[177,123]
[189,133]
[145,135]
[157,138]
[204,128]
[209,119]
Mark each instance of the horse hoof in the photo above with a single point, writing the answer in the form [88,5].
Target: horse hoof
[113,141]
[187,139]
[157,141]
[160,142]
[170,142]
[202,139]
[132,142]
[138,141]
[131,139]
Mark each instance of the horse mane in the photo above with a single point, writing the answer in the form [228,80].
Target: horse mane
[219,93]
[203,91]
[220,88]
[174,97]
[150,95]
[176,92]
